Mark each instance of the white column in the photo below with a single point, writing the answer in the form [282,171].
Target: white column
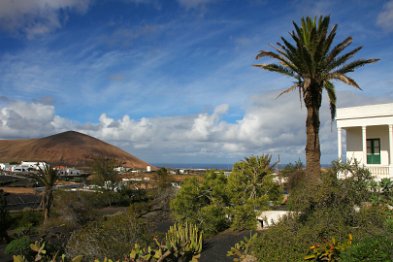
[364,144]
[390,151]
[339,143]
[391,144]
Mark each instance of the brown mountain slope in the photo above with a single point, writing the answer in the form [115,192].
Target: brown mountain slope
[69,148]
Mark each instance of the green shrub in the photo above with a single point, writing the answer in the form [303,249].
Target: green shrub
[19,246]
[213,219]
[326,210]
[26,217]
[112,237]
[243,217]
[375,248]
[202,203]
[280,243]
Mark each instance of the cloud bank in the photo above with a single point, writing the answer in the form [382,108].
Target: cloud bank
[269,125]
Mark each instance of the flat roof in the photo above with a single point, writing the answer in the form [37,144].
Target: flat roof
[377,110]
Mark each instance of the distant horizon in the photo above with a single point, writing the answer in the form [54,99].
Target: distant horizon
[209,165]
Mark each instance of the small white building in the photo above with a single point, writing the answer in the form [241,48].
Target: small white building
[271,217]
[369,137]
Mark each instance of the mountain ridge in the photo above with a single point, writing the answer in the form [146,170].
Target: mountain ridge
[67,148]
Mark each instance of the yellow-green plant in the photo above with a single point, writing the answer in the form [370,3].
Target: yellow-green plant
[328,251]
[43,256]
[182,242]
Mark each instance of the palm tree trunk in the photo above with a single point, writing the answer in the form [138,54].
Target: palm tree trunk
[313,152]
[47,204]
[312,100]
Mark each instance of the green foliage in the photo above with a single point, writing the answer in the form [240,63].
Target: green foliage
[333,193]
[283,242]
[375,248]
[26,218]
[47,177]
[312,60]
[382,191]
[242,250]
[182,243]
[313,63]
[213,218]
[102,170]
[111,237]
[294,174]
[248,179]
[202,203]
[328,251]
[19,246]
[243,217]
[217,202]
[41,254]
[326,210]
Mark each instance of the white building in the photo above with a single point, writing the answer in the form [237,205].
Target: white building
[35,165]
[271,217]
[369,137]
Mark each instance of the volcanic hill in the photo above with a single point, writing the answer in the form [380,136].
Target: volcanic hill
[67,148]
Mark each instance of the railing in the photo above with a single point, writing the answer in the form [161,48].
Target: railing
[380,172]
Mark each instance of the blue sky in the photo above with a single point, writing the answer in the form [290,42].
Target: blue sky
[171,80]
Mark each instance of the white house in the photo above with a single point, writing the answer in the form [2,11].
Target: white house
[271,217]
[35,165]
[369,137]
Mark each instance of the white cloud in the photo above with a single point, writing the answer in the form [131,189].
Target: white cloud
[385,17]
[269,125]
[26,119]
[38,17]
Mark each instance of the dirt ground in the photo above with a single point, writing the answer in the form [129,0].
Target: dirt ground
[19,190]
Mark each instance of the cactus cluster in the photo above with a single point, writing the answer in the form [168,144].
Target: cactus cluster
[182,243]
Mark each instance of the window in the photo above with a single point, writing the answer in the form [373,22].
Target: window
[374,151]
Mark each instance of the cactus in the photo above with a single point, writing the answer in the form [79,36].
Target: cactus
[182,243]
[41,255]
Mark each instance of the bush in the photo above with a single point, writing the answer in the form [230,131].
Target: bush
[19,246]
[213,219]
[202,203]
[26,217]
[243,217]
[326,210]
[112,237]
[375,248]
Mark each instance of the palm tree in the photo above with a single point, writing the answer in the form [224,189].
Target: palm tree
[314,63]
[47,176]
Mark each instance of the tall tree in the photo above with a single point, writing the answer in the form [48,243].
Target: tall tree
[314,63]
[48,177]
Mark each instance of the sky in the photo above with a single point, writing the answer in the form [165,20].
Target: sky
[172,81]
